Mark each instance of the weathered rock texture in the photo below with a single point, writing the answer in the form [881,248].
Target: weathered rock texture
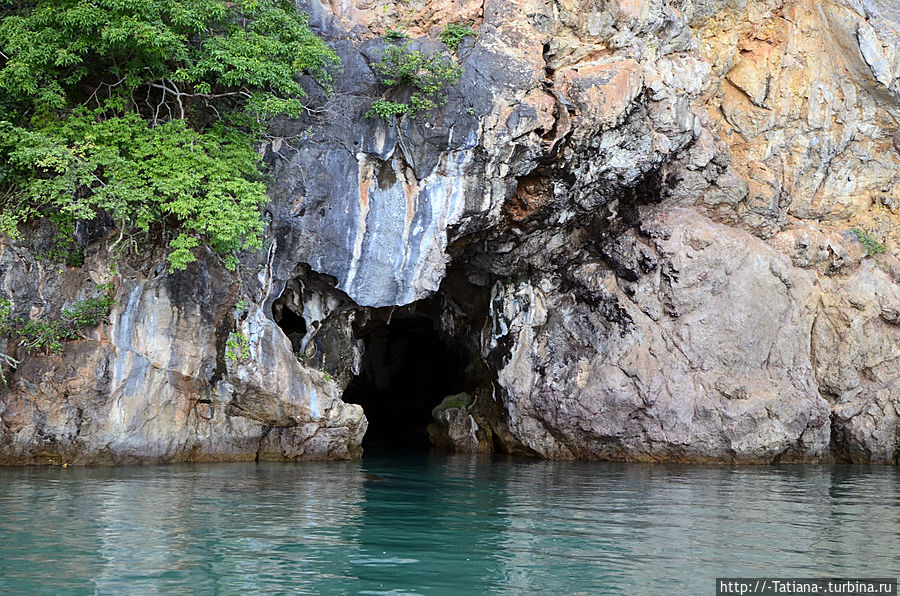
[651,204]
[155,383]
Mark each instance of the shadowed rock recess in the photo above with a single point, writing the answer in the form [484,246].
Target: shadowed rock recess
[627,235]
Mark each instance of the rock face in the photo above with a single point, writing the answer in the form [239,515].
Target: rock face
[702,355]
[156,383]
[650,203]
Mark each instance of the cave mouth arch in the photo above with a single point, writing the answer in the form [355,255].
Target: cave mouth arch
[407,369]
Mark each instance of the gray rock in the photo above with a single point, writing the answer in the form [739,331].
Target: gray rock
[657,200]
[154,383]
[724,375]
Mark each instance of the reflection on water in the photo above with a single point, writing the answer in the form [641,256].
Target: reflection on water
[440,525]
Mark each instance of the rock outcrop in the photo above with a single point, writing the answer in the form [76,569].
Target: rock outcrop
[158,382]
[696,349]
[652,206]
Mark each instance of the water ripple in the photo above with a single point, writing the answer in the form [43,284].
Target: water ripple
[440,525]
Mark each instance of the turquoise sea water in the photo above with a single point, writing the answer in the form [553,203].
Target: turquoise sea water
[434,524]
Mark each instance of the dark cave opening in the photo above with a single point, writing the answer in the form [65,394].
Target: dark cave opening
[407,369]
[293,325]
[398,363]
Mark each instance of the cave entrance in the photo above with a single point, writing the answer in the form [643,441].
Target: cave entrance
[287,314]
[407,369]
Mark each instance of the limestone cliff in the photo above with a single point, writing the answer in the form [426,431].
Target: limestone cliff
[635,218]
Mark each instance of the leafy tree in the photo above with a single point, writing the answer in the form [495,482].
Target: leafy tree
[148,111]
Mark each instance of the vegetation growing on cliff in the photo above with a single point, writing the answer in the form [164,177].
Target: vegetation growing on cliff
[453,34]
[386,108]
[426,77]
[238,347]
[5,359]
[872,246]
[148,112]
[49,335]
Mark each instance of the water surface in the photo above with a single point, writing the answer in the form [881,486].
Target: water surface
[440,525]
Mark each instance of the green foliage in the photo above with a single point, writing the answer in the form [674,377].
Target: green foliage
[5,359]
[237,347]
[192,50]
[386,109]
[394,35]
[872,246]
[44,336]
[64,247]
[5,321]
[90,312]
[50,335]
[427,76]
[453,34]
[148,112]
[459,400]
[205,184]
